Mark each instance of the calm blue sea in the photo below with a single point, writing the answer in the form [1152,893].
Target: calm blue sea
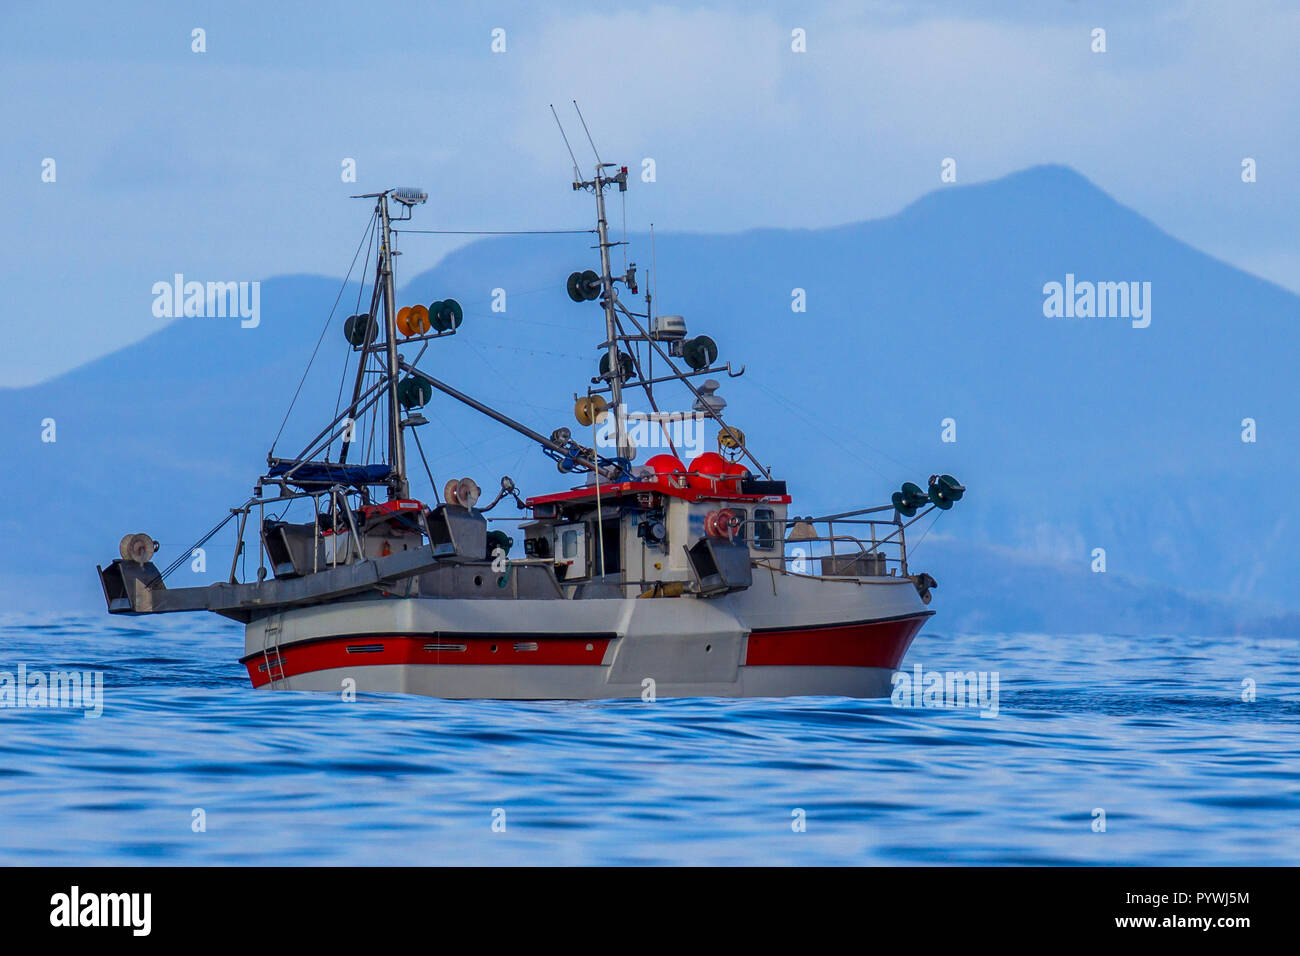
[1152,730]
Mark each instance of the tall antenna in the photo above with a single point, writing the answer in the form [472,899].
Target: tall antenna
[576,174]
[588,132]
[654,264]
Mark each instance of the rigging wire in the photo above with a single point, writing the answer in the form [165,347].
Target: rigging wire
[912,548]
[324,329]
[496,232]
[347,356]
[415,433]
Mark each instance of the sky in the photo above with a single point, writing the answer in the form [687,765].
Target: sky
[226,164]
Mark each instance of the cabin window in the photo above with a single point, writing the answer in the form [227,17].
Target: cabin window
[569,543]
[571,551]
[742,527]
[764,528]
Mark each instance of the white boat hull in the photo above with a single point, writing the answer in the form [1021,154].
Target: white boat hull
[791,636]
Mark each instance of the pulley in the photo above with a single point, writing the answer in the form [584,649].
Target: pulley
[590,410]
[731,442]
[625,365]
[583,286]
[463,493]
[413,320]
[446,314]
[700,352]
[139,548]
[499,539]
[723,523]
[909,499]
[944,490]
[360,329]
[414,391]
[923,583]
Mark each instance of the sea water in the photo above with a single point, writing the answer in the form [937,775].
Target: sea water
[1105,749]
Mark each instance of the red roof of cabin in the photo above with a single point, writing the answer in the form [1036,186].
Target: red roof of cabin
[636,487]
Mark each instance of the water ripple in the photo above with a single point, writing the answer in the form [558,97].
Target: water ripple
[1151,734]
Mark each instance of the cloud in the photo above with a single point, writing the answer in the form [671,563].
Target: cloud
[240,148]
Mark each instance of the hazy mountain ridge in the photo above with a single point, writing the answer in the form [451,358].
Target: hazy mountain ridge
[1072,434]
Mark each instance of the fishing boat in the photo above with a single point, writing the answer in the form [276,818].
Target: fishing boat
[664,578]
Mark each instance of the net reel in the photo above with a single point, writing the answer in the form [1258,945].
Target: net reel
[909,499]
[591,410]
[583,286]
[463,493]
[137,548]
[414,391]
[360,330]
[731,443]
[446,315]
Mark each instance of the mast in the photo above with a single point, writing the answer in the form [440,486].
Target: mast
[397,484]
[607,283]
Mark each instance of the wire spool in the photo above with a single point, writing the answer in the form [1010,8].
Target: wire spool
[700,352]
[591,410]
[731,442]
[722,523]
[138,548]
[574,287]
[446,315]
[414,391]
[583,286]
[907,500]
[402,315]
[418,320]
[944,490]
[467,493]
[499,539]
[626,366]
[449,491]
[360,329]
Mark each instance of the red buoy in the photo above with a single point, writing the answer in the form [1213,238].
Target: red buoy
[736,472]
[668,470]
[707,472]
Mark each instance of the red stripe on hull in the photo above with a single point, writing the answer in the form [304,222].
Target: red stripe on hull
[333,652]
[873,644]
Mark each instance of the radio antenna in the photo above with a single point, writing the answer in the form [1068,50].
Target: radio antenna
[576,175]
[654,264]
[588,132]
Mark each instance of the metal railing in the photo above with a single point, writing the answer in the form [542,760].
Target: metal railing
[847,545]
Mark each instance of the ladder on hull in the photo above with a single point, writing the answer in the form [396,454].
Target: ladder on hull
[273,662]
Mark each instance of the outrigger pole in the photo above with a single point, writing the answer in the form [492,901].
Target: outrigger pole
[398,485]
[597,185]
[607,281]
[492,413]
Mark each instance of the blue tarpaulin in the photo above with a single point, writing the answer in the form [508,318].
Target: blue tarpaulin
[330,473]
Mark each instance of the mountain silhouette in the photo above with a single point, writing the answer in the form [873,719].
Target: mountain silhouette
[1071,434]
